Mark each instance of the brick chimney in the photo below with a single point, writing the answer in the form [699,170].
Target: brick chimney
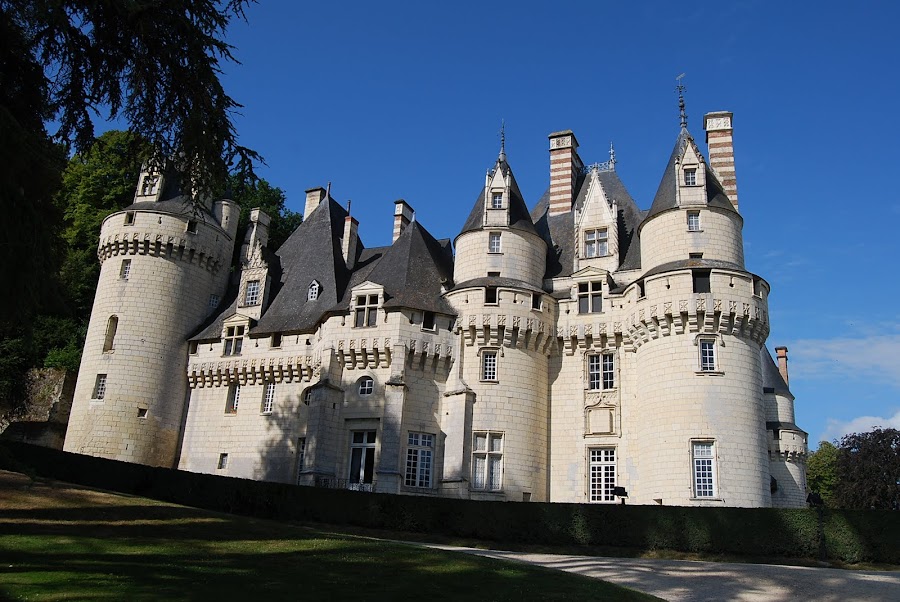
[565,165]
[718,126]
[781,352]
[403,215]
[350,241]
[314,196]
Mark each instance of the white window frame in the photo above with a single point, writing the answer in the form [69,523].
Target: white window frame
[690,176]
[487,460]
[100,383]
[601,369]
[706,350]
[496,200]
[222,464]
[495,242]
[268,403]
[490,365]
[312,293]
[213,302]
[602,470]
[365,314]
[703,469]
[419,460]
[589,292]
[252,293]
[365,448]
[693,221]
[366,386]
[233,340]
[596,242]
[125,269]
[233,398]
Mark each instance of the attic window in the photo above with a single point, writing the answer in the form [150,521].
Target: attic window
[690,176]
[490,295]
[701,281]
[149,185]
[313,292]
[428,320]
[366,311]
[251,297]
[596,243]
[497,200]
[536,301]
[695,255]
[129,218]
[192,226]
[276,340]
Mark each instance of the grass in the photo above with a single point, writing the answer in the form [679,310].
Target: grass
[63,542]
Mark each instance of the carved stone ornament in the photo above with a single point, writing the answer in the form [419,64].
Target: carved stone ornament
[718,123]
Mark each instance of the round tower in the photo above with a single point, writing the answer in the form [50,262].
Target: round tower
[164,268]
[505,322]
[699,325]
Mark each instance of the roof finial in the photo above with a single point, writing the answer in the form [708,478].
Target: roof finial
[328,191]
[680,89]
[502,140]
[612,156]
[348,206]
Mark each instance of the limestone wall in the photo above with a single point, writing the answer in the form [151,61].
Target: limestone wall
[522,256]
[665,237]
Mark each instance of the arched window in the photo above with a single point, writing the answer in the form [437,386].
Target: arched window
[313,293]
[109,343]
[366,385]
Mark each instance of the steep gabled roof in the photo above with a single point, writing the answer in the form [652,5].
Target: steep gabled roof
[519,218]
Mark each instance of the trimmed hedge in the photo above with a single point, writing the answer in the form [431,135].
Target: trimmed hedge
[849,536]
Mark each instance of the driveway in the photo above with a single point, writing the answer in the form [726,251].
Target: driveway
[689,581]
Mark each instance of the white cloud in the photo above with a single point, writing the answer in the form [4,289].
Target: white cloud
[836,429]
[874,358]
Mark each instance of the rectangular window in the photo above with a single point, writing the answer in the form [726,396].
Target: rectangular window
[268,403]
[213,302]
[362,460]
[590,297]
[276,340]
[191,226]
[487,461]
[251,297]
[707,355]
[428,320]
[129,218]
[366,311]
[419,455]
[690,177]
[536,300]
[234,340]
[234,397]
[596,243]
[603,474]
[701,281]
[704,459]
[601,372]
[99,387]
[490,295]
[301,456]
[223,462]
[693,221]
[497,200]
[125,270]
[494,242]
[489,366]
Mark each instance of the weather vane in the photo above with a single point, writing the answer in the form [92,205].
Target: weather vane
[680,89]
[503,139]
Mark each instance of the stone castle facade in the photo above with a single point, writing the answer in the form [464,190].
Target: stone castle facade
[583,351]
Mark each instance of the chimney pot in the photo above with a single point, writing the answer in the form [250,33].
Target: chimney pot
[565,165]
[719,139]
[314,196]
[782,353]
[403,215]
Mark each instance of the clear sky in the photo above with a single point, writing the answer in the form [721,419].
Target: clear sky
[396,100]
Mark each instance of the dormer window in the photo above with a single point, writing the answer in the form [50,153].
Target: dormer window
[497,200]
[366,311]
[233,340]
[312,293]
[690,176]
[149,185]
[590,297]
[251,297]
[596,243]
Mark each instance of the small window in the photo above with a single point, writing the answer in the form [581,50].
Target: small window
[268,403]
[366,385]
[419,456]
[149,185]
[493,274]
[99,387]
[704,469]
[489,366]
[129,218]
[233,399]
[690,177]
[707,355]
[192,226]
[366,311]
[497,200]
[307,396]
[642,289]
[693,221]
[142,412]
[223,462]
[695,255]
[590,297]
[536,299]
[487,461]
[192,347]
[125,270]
[757,287]
[428,320]
[109,342]
[601,372]
[276,340]
[251,297]
[701,281]
[312,293]
[490,295]
[301,456]
[213,302]
[234,340]
[494,242]
[596,243]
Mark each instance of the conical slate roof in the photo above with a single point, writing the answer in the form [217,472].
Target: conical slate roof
[519,219]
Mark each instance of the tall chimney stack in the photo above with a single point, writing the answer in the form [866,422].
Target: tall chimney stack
[403,215]
[718,126]
[314,196]
[781,352]
[565,165]
[350,241]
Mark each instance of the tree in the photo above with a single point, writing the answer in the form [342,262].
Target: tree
[821,472]
[868,470]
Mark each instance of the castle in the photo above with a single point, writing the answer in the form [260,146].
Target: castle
[583,351]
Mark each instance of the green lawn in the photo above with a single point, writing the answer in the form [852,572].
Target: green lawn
[62,542]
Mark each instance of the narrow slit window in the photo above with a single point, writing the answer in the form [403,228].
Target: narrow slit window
[109,342]
[125,270]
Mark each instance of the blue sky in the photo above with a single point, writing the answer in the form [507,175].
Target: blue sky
[404,100]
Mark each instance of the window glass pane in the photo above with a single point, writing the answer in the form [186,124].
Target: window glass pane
[479,472]
[496,443]
[494,475]
[480,442]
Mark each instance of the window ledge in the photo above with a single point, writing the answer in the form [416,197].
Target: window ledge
[488,491]
[610,390]
[707,499]
[694,231]
[709,372]
[495,252]
[263,413]
[489,382]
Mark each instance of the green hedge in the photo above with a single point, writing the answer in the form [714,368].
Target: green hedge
[849,536]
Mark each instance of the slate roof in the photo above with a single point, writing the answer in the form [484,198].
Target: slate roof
[771,376]
[519,219]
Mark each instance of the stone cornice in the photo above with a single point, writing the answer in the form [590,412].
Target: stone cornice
[173,248]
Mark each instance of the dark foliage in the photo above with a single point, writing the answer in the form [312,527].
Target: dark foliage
[868,470]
